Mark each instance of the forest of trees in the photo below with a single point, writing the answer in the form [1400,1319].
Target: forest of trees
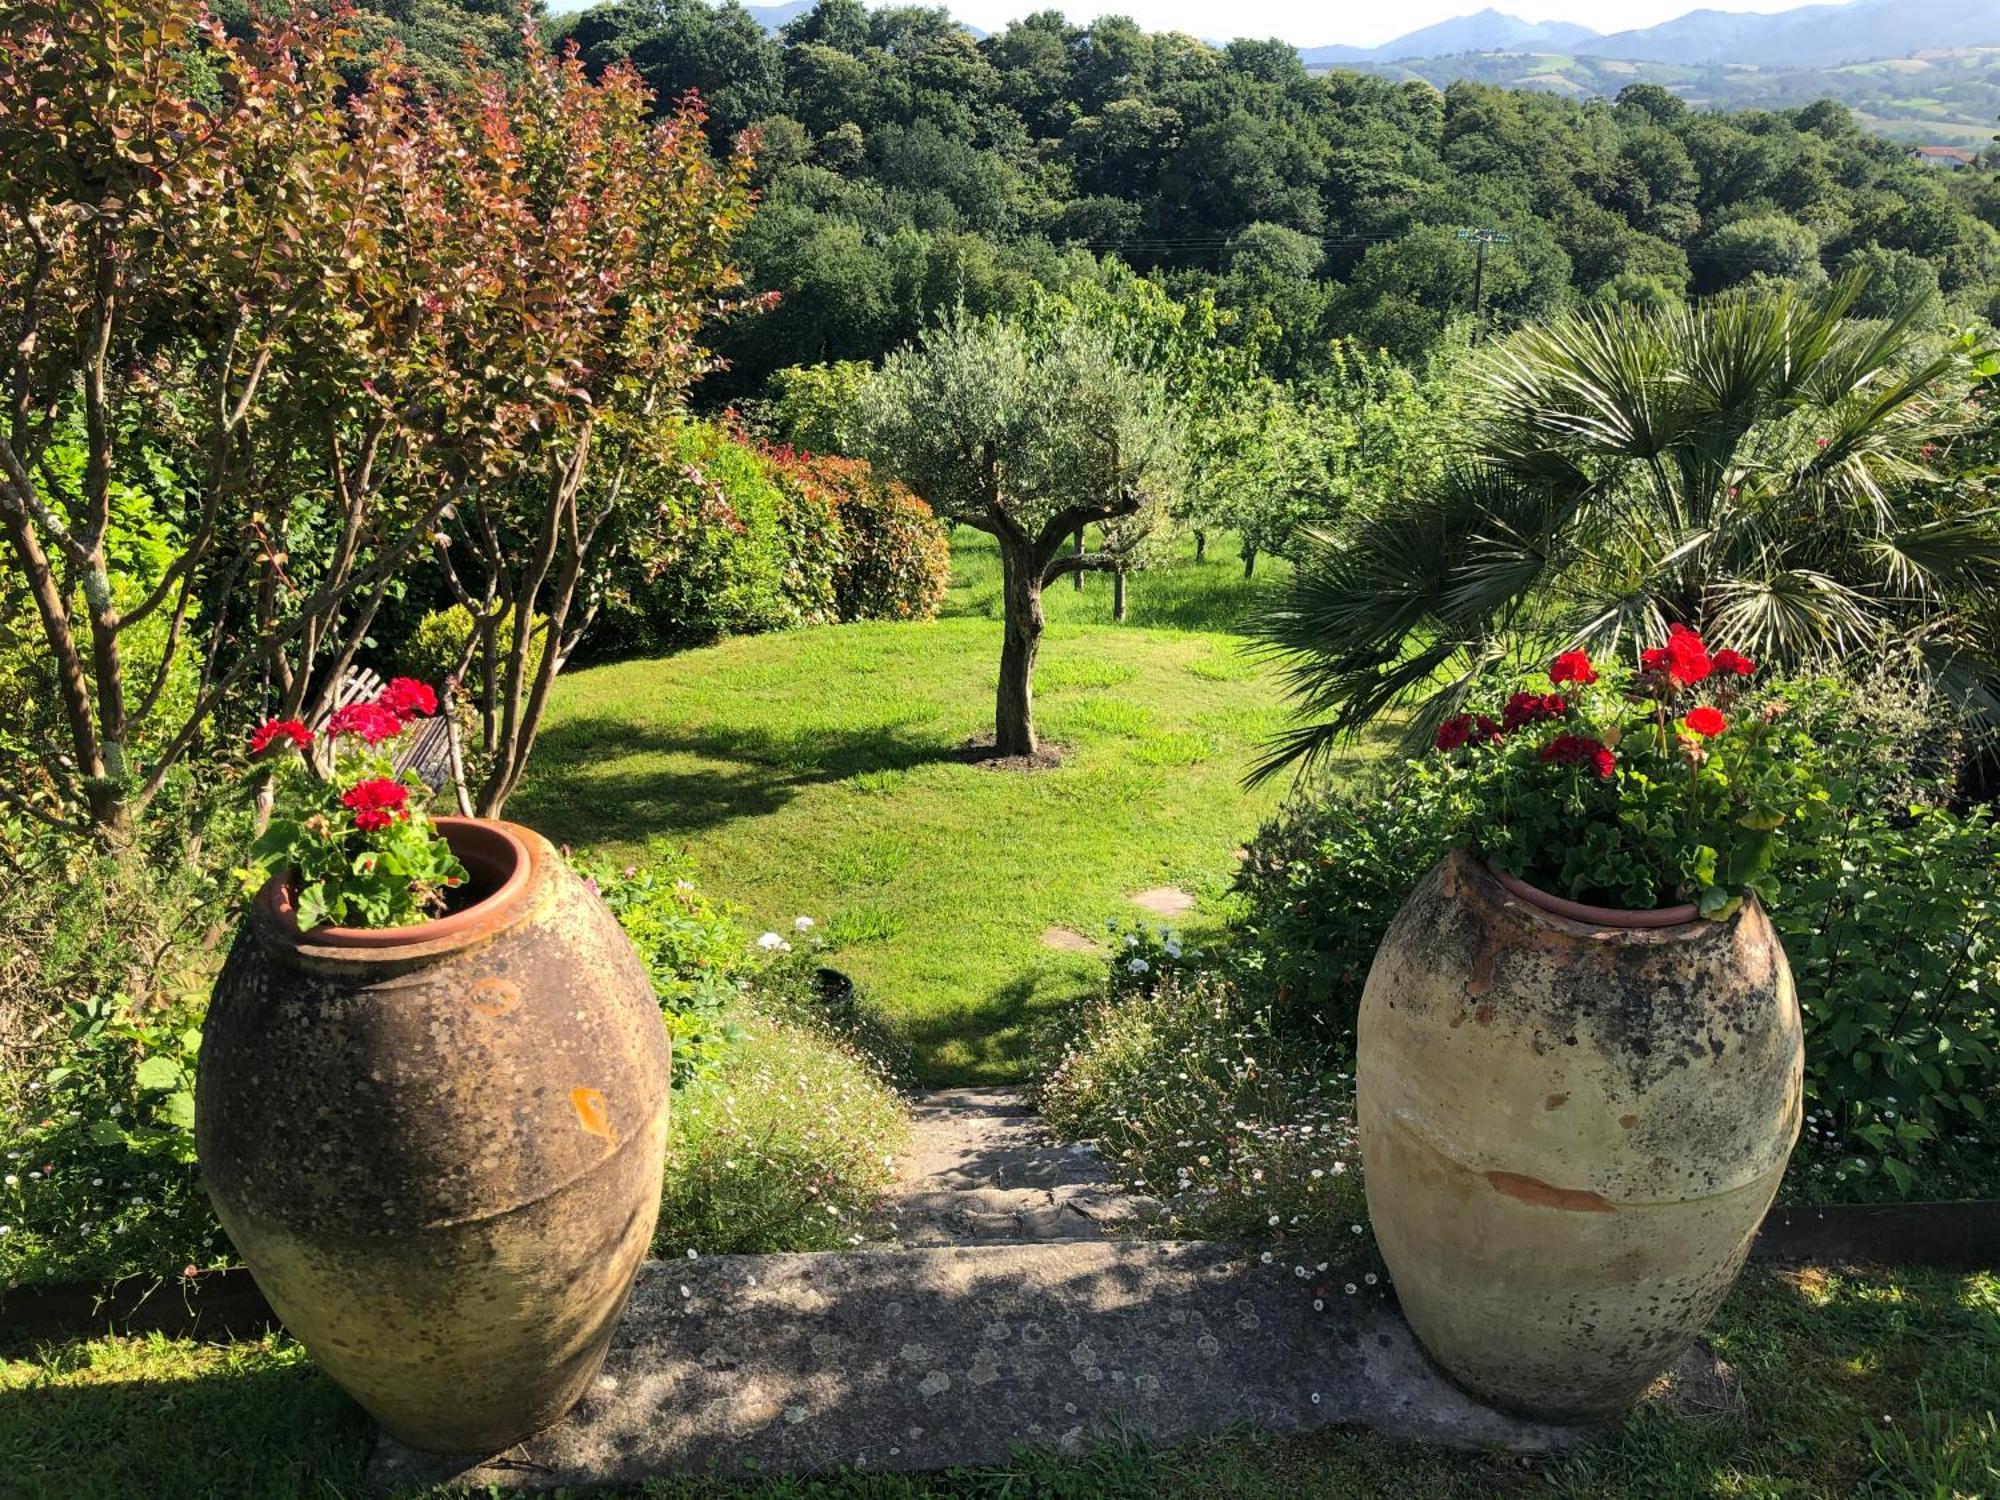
[906,164]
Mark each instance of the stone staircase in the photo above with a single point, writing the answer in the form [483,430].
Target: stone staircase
[981,1170]
[1009,1301]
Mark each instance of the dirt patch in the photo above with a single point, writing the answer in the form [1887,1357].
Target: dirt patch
[1164,901]
[978,751]
[1068,940]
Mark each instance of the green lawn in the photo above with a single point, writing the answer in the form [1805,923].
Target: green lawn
[1857,1384]
[818,773]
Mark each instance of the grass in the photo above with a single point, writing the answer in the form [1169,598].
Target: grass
[819,772]
[1865,1383]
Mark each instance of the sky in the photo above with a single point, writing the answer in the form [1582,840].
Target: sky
[1360,23]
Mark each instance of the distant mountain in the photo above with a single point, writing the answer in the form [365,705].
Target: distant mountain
[1812,36]
[1488,31]
[773,17]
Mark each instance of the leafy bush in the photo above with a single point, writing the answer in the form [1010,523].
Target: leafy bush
[789,1143]
[815,407]
[105,963]
[1194,1098]
[1885,901]
[893,557]
[434,648]
[693,949]
[719,548]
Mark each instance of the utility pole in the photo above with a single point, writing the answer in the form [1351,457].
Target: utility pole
[1482,238]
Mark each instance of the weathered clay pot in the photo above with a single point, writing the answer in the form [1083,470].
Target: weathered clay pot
[438,1148]
[1570,1132]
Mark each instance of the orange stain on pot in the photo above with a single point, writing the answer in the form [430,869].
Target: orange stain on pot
[590,1111]
[1534,1190]
[495,997]
[1555,1101]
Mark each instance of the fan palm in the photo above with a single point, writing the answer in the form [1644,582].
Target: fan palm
[1759,467]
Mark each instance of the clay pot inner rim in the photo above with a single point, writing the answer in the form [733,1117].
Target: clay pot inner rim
[1596,916]
[498,863]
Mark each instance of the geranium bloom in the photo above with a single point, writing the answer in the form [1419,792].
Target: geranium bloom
[376,803]
[1684,659]
[370,721]
[1528,708]
[1727,660]
[1706,721]
[1456,734]
[405,696]
[272,730]
[1580,750]
[1572,666]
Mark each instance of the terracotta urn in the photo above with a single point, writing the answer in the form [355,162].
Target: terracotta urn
[439,1147]
[1572,1124]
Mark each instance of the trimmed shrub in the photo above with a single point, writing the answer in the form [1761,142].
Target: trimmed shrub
[894,560]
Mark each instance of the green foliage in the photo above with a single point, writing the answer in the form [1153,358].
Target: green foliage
[814,407]
[1631,792]
[709,555]
[435,648]
[99,1170]
[693,949]
[1762,467]
[890,558]
[1193,1099]
[789,1142]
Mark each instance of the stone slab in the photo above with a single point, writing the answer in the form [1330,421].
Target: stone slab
[919,1359]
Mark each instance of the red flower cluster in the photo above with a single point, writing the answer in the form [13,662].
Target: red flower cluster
[1727,660]
[1580,750]
[1456,734]
[272,730]
[406,697]
[1706,721]
[1530,708]
[1572,666]
[373,722]
[376,803]
[1684,660]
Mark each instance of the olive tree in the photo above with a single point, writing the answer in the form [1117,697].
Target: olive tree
[1030,435]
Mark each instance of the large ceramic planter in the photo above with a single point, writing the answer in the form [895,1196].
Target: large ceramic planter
[438,1148]
[1571,1132]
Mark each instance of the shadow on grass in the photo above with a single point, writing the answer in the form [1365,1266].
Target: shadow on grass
[233,1427]
[745,771]
[1010,1017]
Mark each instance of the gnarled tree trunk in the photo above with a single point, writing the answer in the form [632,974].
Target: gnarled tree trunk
[1021,593]
[1118,596]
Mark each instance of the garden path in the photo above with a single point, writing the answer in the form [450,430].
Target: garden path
[982,1169]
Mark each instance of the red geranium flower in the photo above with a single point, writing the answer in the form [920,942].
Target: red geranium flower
[1455,734]
[1527,708]
[376,803]
[371,721]
[1684,659]
[272,730]
[1727,660]
[1580,750]
[1706,721]
[405,696]
[1572,666]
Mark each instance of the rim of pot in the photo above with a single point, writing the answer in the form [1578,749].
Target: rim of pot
[499,863]
[1596,916]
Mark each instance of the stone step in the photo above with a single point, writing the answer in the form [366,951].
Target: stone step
[914,1359]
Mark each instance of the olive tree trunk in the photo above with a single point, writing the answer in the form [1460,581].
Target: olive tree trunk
[1118,596]
[1021,591]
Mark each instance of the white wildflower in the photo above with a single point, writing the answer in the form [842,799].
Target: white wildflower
[802,924]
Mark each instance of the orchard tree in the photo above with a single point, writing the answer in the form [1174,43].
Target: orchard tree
[1031,435]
